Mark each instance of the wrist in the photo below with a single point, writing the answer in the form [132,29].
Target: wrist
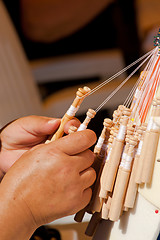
[16,221]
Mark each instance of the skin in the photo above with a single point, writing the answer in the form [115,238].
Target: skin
[25,133]
[47,182]
[51,20]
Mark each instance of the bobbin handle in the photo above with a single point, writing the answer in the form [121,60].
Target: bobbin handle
[80,95]
[60,130]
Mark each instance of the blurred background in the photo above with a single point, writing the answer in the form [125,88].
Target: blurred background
[69,44]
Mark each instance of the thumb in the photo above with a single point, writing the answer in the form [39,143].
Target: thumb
[76,142]
[36,125]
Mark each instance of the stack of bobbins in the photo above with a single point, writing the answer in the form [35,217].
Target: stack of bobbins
[99,151]
[106,205]
[121,183]
[89,115]
[149,148]
[103,194]
[100,158]
[116,152]
[113,134]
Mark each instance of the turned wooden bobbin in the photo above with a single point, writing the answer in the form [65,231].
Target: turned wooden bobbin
[116,116]
[105,208]
[103,139]
[140,160]
[89,115]
[72,129]
[103,191]
[133,186]
[80,95]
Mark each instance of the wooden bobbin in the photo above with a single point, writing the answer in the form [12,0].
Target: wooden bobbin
[96,202]
[140,159]
[103,191]
[138,91]
[151,150]
[125,152]
[80,214]
[113,134]
[89,115]
[121,108]
[101,146]
[105,208]
[127,112]
[121,184]
[115,156]
[112,137]
[133,186]
[104,135]
[72,129]
[95,219]
[80,95]
[157,111]
[147,156]
[116,116]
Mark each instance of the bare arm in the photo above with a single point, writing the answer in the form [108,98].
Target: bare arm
[49,181]
[51,20]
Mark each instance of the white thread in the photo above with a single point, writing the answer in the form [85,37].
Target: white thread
[121,132]
[100,142]
[137,93]
[150,124]
[128,162]
[155,126]
[120,72]
[72,110]
[128,100]
[156,120]
[108,155]
[81,127]
[119,87]
[124,156]
[139,147]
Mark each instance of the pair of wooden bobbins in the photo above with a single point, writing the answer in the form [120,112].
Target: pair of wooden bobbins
[121,183]
[89,115]
[116,153]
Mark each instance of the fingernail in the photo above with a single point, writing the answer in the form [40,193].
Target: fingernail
[52,121]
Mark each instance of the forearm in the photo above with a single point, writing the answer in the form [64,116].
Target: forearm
[50,20]
[15,220]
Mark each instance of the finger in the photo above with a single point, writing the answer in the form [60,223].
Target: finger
[86,197]
[88,177]
[74,122]
[77,142]
[84,160]
[38,125]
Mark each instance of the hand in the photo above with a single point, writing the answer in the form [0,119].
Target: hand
[49,181]
[24,133]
